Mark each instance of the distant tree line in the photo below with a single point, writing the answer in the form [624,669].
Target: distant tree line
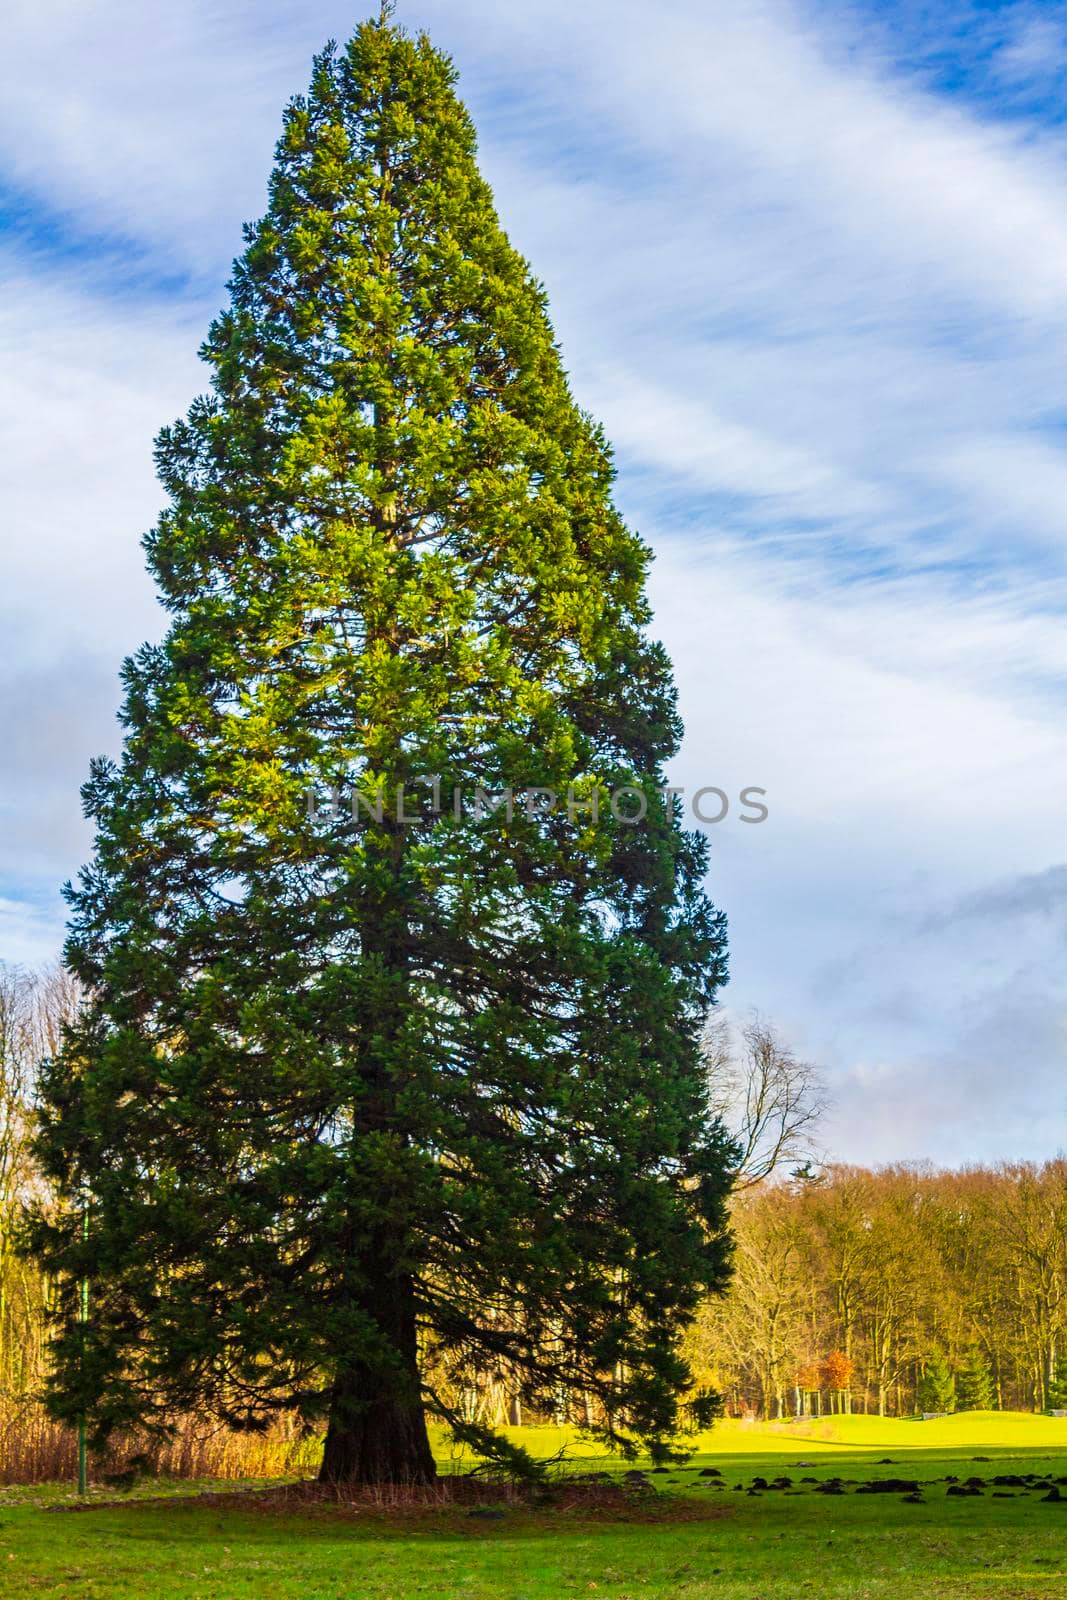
[894,1291]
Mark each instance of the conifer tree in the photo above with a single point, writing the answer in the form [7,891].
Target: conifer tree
[936,1388]
[355,1090]
[975,1390]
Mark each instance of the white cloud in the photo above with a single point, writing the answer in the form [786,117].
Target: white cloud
[27,934]
[1034,51]
[156,123]
[655,426]
[1014,485]
[90,380]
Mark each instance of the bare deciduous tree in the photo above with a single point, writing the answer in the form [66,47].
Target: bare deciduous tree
[18,995]
[770,1101]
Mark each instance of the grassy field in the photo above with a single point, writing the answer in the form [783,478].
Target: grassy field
[688,1538]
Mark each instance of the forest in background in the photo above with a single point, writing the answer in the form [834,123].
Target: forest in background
[897,1291]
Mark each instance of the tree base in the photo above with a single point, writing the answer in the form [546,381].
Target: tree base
[387,1443]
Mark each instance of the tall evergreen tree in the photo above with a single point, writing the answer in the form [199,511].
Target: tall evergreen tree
[975,1390]
[354,1090]
[936,1388]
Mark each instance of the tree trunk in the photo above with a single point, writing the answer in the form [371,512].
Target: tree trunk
[377,1428]
[385,1441]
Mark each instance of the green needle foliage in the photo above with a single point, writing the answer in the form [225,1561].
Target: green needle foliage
[975,1389]
[355,1098]
[936,1388]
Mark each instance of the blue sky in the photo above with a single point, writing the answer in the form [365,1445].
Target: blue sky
[808,262]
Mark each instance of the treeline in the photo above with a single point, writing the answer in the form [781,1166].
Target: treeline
[894,1291]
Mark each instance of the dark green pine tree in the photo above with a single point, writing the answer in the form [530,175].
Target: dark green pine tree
[358,1096]
[936,1388]
[975,1390]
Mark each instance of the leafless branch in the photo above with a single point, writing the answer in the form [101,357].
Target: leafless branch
[770,1101]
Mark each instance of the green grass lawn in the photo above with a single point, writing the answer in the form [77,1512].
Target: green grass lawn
[690,1541]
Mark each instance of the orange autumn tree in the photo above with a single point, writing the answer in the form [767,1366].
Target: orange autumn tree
[836,1375]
